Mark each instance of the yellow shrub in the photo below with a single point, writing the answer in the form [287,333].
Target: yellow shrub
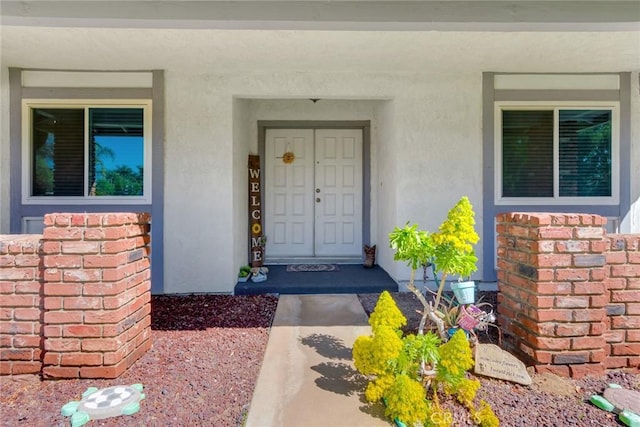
[376,389]
[393,362]
[386,346]
[406,400]
[362,355]
[386,313]
[455,358]
[485,416]
[372,354]
[457,230]
[466,391]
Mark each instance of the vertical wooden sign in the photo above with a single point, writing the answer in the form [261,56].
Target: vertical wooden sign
[255,213]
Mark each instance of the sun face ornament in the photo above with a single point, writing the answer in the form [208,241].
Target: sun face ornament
[288,157]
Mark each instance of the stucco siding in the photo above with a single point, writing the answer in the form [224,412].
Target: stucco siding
[198,186]
[241,149]
[385,186]
[4,151]
[439,150]
[244,52]
[634,214]
[420,91]
[431,131]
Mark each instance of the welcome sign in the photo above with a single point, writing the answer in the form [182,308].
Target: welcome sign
[255,212]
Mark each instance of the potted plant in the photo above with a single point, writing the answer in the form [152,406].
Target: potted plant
[244,273]
[449,251]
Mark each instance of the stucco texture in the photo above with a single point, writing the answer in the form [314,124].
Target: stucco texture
[438,131]
[421,91]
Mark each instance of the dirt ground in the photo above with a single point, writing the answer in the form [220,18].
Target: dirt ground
[206,356]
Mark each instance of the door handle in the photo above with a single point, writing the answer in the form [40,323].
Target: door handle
[317,199]
[317,190]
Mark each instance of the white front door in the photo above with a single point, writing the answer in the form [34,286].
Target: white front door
[313,205]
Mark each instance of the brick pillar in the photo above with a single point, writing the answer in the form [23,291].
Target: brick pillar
[551,271]
[96,293]
[20,304]
[623,310]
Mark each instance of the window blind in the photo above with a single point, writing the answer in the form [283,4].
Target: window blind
[527,153]
[58,148]
[585,153]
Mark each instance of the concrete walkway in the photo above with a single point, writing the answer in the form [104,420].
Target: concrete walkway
[307,377]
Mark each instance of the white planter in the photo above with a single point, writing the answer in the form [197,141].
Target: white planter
[258,277]
[465,292]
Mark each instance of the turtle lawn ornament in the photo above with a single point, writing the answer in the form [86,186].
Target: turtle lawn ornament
[625,403]
[102,403]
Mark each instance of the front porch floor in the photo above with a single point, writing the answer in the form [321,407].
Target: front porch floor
[351,279]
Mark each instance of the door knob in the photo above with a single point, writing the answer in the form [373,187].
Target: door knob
[317,199]
[317,190]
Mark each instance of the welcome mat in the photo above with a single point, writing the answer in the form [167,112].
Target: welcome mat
[312,268]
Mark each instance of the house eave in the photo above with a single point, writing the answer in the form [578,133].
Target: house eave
[384,15]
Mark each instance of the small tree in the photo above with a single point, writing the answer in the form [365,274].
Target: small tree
[450,252]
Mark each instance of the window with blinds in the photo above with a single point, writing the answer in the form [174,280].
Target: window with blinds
[584,153]
[527,154]
[556,153]
[87,151]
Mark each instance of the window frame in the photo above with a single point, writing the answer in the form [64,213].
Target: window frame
[556,106]
[28,105]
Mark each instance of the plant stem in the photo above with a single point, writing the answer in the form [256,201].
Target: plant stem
[441,288]
[428,310]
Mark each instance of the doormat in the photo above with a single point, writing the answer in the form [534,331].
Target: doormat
[312,268]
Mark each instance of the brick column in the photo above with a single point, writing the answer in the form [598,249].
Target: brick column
[551,271]
[623,310]
[20,304]
[96,293]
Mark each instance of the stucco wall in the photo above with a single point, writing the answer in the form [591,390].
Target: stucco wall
[634,215]
[421,90]
[425,127]
[4,150]
[242,147]
[387,198]
[431,127]
[199,213]
[439,150]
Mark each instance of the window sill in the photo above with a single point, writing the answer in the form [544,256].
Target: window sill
[549,201]
[106,200]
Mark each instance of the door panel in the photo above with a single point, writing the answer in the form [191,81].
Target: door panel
[289,193]
[313,206]
[338,213]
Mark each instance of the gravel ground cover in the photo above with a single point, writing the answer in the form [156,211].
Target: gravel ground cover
[206,356]
[201,371]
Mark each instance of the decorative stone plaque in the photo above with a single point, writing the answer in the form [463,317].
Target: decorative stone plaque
[492,361]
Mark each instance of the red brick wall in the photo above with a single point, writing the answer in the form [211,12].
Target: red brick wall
[94,295]
[623,310]
[556,304]
[20,305]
